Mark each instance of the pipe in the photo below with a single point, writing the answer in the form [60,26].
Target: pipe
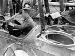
[61,5]
[47,6]
[41,14]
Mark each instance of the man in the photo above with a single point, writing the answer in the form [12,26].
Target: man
[69,16]
[24,23]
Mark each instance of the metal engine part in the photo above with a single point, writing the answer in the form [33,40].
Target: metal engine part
[59,38]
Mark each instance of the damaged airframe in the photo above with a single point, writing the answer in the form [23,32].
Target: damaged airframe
[35,32]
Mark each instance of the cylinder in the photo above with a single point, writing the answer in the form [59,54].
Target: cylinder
[47,6]
[1,2]
[61,5]
[3,6]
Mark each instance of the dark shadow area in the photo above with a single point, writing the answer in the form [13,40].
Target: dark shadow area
[60,38]
[18,32]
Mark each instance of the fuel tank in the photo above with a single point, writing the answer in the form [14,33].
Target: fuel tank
[61,35]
